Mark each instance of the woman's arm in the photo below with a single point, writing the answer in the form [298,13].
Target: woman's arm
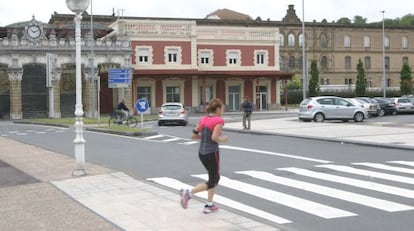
[216,136]
[196,135]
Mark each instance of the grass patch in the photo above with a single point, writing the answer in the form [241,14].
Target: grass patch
[87,121]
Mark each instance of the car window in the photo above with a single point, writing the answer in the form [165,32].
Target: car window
[341,102]
[305,101]
[325,101]
[171,107]
[403,101]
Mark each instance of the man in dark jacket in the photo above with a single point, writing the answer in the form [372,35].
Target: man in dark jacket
[122,110]
[247,108]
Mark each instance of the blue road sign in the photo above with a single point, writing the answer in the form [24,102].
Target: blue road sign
[119,77]
[142,105]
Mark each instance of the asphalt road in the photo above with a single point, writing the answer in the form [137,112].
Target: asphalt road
[294,164]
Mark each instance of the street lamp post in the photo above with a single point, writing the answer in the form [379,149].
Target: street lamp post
[304,77]
[78,6]
[383,57]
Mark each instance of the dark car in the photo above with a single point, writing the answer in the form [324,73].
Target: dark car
[387,106]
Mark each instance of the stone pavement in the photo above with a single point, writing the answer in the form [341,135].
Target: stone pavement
[38,192]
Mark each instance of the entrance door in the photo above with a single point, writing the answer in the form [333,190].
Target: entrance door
[34,91]
[261,98]
[234,98]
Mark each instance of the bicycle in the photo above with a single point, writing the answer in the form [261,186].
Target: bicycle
[115,119]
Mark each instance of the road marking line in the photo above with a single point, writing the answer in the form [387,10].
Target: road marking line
[372,174]
[386,167]
[172,139]
[274,154]
[177,185]
[153,137]
[330,192]
[189,142]
[306,206]
[409,163]
[353,182]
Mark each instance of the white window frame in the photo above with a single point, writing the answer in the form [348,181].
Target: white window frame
[347,41]
[233,57]
[404,42]
[282,40]
[261,57]
[301,37]
[367,41]
[387,42]
[175,52]
[144,51]
[205,57]
[291,40]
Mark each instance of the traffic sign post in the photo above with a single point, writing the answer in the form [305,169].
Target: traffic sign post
[142,106]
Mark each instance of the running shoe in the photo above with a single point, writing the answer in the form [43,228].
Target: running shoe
[185,197]
[210,209]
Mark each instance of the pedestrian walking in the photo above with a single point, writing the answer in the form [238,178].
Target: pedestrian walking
[247,108]
[209,131]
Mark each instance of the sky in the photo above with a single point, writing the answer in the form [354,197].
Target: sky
[13,11]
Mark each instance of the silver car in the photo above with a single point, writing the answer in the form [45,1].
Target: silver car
[323,108]
[403,105]
[172,113]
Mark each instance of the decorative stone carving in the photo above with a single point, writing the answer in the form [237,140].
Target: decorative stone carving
[15,74]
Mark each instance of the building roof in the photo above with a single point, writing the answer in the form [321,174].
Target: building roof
[227,14]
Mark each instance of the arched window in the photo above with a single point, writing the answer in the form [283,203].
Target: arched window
[347,41]
[387,42]
[324,62]
[300,63]
[404,42]
[282,63]
[292,62]
[367,41]
[291,40]
[301,40]
[324,41]
[367,62]
[282,40]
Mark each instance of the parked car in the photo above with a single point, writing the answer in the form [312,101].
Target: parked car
[330,108]
[387,106]
[372,106]
[172,113]
[403,105]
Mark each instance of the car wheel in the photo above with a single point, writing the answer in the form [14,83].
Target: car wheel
[382,112]
[319,117]
[359,117]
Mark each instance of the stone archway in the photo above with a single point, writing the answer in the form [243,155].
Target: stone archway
[4,92]
[34,91]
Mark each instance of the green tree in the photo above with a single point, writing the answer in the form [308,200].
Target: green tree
[360,87]
[359,20]
[295,83]
[345,21]
[314,81]
[405,84]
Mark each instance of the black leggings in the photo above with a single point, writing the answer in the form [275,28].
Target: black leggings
[211,162]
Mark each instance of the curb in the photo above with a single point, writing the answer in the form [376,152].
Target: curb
[140,133]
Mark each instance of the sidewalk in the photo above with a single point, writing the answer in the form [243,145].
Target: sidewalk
[375,134]
[38,192]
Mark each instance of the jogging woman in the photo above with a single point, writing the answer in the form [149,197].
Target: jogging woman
[209,132]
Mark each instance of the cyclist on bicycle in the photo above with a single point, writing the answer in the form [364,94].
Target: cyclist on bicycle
[122,110]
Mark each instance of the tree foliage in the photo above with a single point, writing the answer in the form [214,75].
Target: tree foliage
[344,21]
[295,83]
[359,20]
[360,87]
[314,81]
[406,77]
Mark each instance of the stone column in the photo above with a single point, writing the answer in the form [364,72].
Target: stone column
[90,98]
[15,78]
[56,93]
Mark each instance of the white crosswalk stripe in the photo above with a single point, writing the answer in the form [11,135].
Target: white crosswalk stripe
[306,206]
[330,192]
[386,167]
[177,185]
[408,163]
[353,182]
[316,206]
[368,173]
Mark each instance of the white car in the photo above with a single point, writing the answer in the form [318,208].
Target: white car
[172,113]
[324,108]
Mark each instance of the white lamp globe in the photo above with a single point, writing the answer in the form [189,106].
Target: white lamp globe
[77,6]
